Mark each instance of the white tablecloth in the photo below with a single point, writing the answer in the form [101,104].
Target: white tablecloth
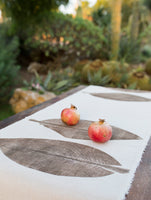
[18,182]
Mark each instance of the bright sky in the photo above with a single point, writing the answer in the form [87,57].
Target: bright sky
[70,8]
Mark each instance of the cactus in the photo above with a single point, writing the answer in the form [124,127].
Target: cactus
[115,70]
[109,67]
[141,79]
[79,65]
[91,68]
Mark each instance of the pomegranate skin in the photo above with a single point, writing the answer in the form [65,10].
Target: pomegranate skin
[70,116]
[100,132]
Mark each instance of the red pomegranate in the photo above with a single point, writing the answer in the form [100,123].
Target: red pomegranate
[100,131]
[70,116]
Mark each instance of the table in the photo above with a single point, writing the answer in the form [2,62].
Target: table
[140,188]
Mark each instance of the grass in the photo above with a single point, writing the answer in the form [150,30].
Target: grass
[5,111]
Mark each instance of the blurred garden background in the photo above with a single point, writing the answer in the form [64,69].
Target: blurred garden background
[44,51]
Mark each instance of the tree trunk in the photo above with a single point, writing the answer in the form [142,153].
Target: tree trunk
[116,7]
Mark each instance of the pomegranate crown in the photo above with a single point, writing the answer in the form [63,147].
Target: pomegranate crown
[73,107]
[101,121]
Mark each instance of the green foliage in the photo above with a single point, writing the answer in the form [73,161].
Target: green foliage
[145,53]
[56,81]
[126,13]
[98,78]
[102,17]
[145,37]
[148,67]
[101,3]
[80,64]
[108,73]
[148,4]
[8,68]
[62,80]
[25,13]
[5,111]
[91,68]
[134,38]
[77,38]
[146,32]
[117,72]
[33,86]
[130,51]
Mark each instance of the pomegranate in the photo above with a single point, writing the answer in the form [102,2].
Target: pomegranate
[70,116]
[100,131]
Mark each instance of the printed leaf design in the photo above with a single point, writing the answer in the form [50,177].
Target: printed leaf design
[80,131]
[120,97]
[60,157]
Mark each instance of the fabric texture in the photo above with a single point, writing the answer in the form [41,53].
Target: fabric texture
[117,159]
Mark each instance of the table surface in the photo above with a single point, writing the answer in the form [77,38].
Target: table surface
[140,188]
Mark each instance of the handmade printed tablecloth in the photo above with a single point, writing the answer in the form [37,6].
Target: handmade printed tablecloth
[41,158]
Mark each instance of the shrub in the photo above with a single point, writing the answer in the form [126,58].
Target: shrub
[57,81]
[8,68]
[28,13]
[5,111]
[102,17]
[73,38]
